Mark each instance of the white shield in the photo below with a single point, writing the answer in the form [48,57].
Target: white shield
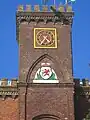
[45,72]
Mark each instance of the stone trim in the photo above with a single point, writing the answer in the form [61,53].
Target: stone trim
[45,81]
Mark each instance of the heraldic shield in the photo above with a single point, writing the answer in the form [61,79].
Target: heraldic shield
[45,74]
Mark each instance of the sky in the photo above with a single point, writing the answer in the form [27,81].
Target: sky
[9,58]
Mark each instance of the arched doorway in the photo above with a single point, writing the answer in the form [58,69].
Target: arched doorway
[46,117]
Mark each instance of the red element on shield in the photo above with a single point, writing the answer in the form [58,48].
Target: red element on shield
[46,72]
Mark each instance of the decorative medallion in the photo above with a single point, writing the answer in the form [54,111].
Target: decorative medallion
[45,38]
[45,74]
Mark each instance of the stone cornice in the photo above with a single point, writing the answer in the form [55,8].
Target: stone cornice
[8,91]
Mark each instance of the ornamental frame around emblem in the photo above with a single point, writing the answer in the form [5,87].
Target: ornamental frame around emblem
[46,29]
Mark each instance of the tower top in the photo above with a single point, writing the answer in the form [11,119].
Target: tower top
[62,13]
[44,8]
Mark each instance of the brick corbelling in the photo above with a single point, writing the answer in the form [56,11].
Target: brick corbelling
[45,17]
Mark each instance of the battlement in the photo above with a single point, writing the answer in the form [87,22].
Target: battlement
[62,14]
[82,87]
[82,82]
[6,82]
[13,82]
[43,8]
[10,87]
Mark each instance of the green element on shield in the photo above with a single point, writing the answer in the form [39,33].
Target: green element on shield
[52,77]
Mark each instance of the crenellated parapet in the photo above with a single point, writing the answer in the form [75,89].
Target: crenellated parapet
[8,88]
[43,8]
[82,82]
[82,87]
[6,82]
[55,14]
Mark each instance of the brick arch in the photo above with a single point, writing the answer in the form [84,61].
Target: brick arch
[46,116]
[39,60]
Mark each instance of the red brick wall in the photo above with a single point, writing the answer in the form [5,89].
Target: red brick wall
[8,109]
[28,54]
[53,101]
[82,106]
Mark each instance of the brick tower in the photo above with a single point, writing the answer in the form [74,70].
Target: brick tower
[44,89]
[45,63]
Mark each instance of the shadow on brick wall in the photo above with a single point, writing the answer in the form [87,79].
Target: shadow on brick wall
[82,104]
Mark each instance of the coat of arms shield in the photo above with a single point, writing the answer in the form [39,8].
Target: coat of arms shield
[45,72]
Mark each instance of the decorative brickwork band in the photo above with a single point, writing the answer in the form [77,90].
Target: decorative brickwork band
[10,87]
[14,82]
[43,14]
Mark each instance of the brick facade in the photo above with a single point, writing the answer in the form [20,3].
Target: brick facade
[25,100]
[51,99]
[9,109]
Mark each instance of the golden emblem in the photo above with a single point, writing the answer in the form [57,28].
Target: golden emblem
[45,38]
